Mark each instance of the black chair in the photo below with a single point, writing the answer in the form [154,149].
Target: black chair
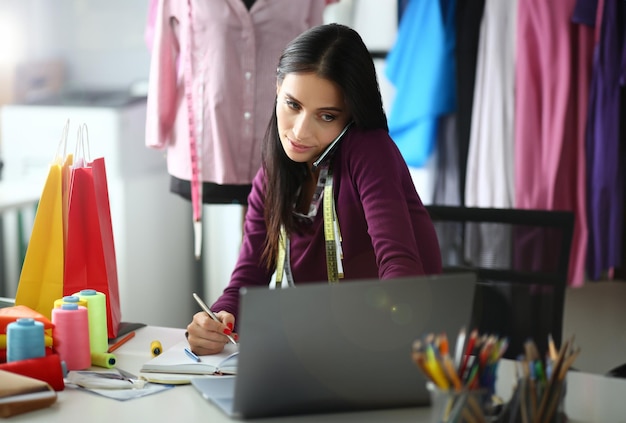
[619,371]
[521,259]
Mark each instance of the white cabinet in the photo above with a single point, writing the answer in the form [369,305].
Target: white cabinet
[152,227]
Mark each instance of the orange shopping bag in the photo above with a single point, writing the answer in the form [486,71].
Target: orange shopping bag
[90,261]
[41,278]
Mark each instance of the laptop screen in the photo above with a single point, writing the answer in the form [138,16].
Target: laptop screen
[325,348]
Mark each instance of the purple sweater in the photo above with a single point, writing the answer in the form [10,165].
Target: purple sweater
[386,231]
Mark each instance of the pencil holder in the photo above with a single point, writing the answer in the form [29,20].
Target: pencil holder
[466,405]
[538,402]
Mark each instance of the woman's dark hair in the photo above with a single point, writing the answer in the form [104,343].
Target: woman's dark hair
[337,53]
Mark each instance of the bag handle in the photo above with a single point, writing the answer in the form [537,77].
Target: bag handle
[61,153]
[82,156]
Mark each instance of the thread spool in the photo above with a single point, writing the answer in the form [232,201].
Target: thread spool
[97,317]
[156,348]
[71,331]
[70,299]
[25,339]
[106,360]
[48,341]
[50,369]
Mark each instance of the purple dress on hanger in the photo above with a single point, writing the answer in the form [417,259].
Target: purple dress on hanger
[605,158]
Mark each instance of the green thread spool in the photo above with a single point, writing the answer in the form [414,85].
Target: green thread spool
[106,360]
[97,316]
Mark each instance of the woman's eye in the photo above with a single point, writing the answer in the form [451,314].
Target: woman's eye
[328,118]
[292,104]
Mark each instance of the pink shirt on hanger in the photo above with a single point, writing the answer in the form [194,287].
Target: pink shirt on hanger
[234,57]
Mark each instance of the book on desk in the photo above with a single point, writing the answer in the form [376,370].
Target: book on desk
[174,366]
[20,394]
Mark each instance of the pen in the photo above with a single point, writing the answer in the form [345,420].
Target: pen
[211,314]
[191,355]
[121,342]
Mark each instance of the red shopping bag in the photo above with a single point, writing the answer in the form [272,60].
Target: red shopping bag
[90,261]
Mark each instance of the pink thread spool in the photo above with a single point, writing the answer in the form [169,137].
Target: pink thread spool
[71,334]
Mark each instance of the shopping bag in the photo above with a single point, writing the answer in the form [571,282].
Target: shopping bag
[41,278]
[90,261]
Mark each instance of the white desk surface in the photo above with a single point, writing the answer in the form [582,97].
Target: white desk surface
[590,398]
[14,195]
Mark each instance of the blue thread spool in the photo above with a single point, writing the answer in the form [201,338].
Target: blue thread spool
[25,339]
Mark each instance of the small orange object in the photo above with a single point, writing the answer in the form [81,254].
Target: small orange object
[121,342]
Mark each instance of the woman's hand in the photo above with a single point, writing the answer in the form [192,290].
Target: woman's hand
[206,336]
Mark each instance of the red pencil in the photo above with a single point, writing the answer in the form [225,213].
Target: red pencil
[468,351]
[121,342]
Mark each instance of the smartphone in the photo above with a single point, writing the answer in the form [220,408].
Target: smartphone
[330,147]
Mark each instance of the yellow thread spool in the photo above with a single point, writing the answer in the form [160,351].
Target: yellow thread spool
[106,360]
[156,348]
[48,340]
[70,299]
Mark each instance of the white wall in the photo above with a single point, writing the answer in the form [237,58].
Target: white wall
[28,30]
[101,42]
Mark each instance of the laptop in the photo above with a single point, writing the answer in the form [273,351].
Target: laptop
[321,348]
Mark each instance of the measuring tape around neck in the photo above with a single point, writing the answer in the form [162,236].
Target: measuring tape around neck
[332,237]
[332,234]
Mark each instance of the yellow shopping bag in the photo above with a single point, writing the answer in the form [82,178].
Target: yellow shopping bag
[41,279]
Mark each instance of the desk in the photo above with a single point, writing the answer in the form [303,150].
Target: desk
[590,398]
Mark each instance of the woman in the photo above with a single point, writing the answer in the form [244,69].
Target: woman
[357,190]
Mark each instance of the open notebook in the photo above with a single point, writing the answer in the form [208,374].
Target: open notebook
[325,348]
[174,365]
